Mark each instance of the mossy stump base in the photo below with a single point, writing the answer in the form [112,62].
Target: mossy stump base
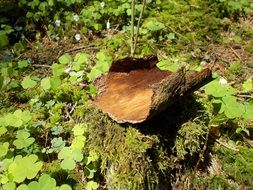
[135,90]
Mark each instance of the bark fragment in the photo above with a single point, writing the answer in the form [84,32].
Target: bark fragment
[135,89]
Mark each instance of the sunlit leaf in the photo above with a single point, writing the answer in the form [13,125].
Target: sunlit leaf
[46,83]
[28,83]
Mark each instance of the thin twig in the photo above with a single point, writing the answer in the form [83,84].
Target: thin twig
[138,24]
[227,146]
[39,65]
[221,59]
[67,112]
[201,156]
[244,96]
[236,54]
[132,27]
[202,152]
[80,48]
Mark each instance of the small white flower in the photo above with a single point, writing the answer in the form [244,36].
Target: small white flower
[67,69]
[76,18]
[223,81]
[108,25]
[58,23]
[57,38]
[77,37]
[203,63]
[102,4]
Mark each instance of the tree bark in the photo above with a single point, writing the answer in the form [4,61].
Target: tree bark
[135,89]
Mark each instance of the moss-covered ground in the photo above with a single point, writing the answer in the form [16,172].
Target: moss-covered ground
[178,149]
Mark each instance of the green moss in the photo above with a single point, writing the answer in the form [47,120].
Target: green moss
[238,165]
[216,182]
[189,140]
[129,159]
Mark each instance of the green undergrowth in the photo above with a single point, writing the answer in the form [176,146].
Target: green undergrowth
[52,136]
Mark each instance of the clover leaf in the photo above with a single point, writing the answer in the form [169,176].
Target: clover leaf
[69,157]
[231,107]
[248,111]
[22,64]
[90,170]
[28,83]
[45,83]
[23,140]
[4,147]
[3,130]
[9,186]
[92,185]
[16,119]
[216,89]
[24,167]
[78,129]
[247,85]
[78,142]
[79,61]
[45,182]
[65,59]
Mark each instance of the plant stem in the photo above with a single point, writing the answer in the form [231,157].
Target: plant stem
[132,27]
[138,24]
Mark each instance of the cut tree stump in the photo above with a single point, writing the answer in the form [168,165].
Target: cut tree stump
[135,90]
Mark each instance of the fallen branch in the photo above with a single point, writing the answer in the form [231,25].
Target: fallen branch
[136,90]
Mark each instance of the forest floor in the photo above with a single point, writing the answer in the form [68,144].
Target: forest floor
[188,146]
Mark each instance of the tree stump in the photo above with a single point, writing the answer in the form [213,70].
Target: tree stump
[135,90]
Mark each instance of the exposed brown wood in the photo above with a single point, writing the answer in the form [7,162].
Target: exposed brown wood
[135,89]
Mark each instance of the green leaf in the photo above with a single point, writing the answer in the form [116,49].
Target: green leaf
[216,89]
[154,25]
[78,142]
[94,74]
[65,187]
[4,147]
[70,156]
[65,153]
[4,41]
[164,65]
[232,108]
[9,186]
[248,111]
[92,185]
[57,69]
[247,85]
[22,64]
[55,83]
[45,183]
[1,82]
[57,144]
[78,129]
[65,59]
[24,167]
[23,140]
[3,130]
[28,83]
[90,170]
[25,116]
[23,187]
[46,83]
[68,164]
[12,120]
[79,61]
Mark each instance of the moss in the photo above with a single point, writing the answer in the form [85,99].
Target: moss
[190,139]
[238,166]
[129,159]
[216,182]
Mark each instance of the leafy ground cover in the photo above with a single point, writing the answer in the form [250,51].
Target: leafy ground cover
[52,137]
